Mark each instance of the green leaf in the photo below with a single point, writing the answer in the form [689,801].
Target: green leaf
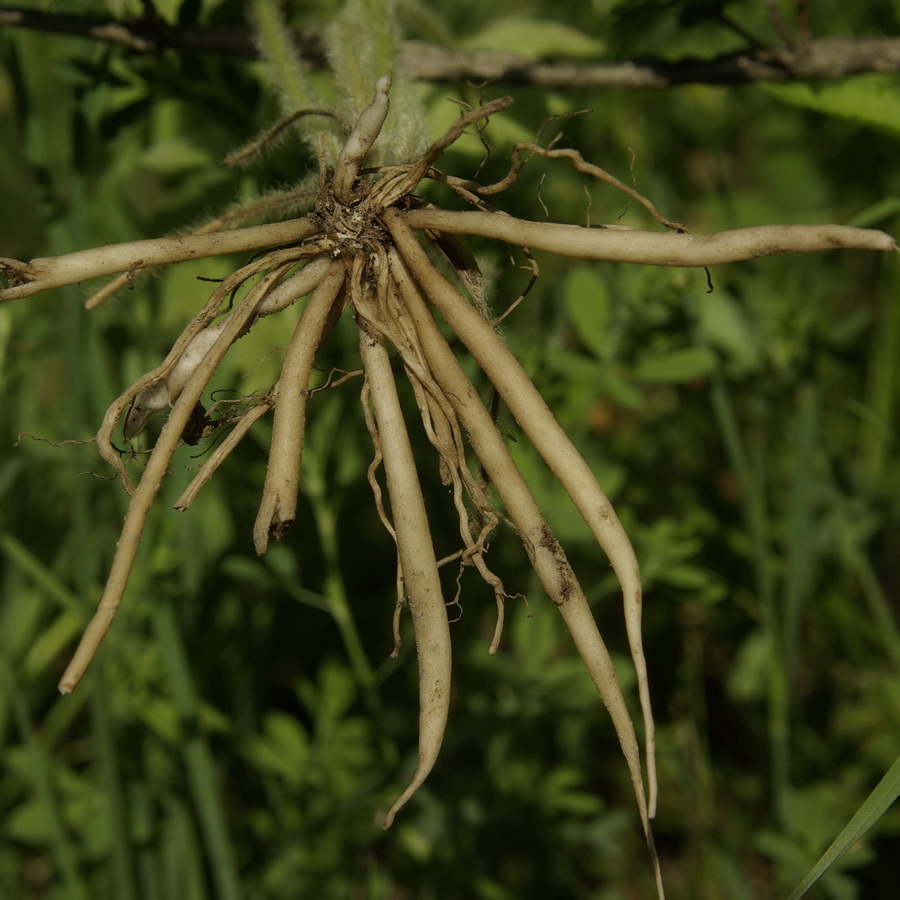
[872,100]
[876,805]
[727,327]
[533,37]
[877,213]
[31,823]
[588,305]
[174,155]
[676,366]
[282,748]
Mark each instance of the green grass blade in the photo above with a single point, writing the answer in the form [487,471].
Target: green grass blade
[867,815]
[64,849]
[201,768]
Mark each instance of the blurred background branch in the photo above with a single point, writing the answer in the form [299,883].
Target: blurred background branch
[807,59]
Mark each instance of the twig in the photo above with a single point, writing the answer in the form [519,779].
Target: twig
[809,60]
[815,60]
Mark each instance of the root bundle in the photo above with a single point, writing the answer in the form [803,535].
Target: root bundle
[368,247]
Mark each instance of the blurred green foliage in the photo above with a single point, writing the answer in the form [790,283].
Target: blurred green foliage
[244,727]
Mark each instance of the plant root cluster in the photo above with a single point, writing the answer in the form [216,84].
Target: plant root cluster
[359,250]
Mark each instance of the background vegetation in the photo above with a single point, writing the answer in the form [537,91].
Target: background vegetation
[244,726]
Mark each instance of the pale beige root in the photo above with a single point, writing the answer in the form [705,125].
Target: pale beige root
[652,248]
[278,507]
[442,429]
[371,476]
[360,140]
[163,392]
[157,466]
[551,441]
[223,449]
[269,204]
[44,273]
[282,295]
[292,289]
[399,181]
[547,556]
[420,574]
[157,378]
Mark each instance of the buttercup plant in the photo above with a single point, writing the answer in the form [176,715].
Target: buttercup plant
[366,249]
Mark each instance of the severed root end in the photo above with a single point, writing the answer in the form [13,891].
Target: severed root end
[263,530]
[274,519]
[16,271]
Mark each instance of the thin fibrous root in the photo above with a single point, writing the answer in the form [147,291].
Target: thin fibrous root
[581,165]
[443,431]
[372,478]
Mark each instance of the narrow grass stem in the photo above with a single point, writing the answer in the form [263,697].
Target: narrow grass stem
[337,600]
[63,849]
[205,787]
